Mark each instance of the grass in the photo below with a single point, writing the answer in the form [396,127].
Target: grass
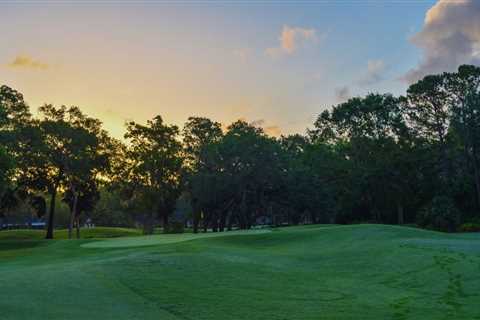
[333,272]
[152,240]
[86,233]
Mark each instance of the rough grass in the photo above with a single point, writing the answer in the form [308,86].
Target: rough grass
[336,272]
[85,233]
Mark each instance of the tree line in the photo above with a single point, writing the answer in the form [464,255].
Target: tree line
[377,158]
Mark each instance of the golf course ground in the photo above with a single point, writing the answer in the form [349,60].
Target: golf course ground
[86,233]
[308,272]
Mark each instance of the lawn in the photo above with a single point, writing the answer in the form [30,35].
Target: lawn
[86,233]
[315,272]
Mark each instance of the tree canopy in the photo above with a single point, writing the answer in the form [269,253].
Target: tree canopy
[374,158]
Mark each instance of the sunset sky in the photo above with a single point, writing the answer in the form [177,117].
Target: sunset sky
[277,65]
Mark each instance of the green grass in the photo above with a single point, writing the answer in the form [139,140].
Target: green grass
[158,239]
[97,232]
[333,272]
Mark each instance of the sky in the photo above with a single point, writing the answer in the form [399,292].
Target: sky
[276,64]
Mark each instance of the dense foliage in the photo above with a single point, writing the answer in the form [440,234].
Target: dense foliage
[378,158]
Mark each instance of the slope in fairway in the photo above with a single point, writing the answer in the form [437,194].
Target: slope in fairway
[338,272]
[163,239]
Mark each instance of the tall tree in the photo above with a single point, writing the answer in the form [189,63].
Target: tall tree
[429,115]
[71,155]
[6,166]
[463,88]
[251,164]
[199,136]
[371,132]
[16,135]
[154,165]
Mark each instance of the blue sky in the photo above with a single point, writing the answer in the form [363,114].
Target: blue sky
[276,63]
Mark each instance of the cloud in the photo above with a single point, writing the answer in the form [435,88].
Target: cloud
[22,61]
[374,74]
[273,52]
[291,38]
[274,131]
[257,123]
[342,93]
[450,37]
[318,76]
[243,54]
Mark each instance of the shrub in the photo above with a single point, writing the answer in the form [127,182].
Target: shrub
[470,227]
[441,214]
[175,227]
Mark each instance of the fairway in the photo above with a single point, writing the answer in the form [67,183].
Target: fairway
[311,272]
[164,239]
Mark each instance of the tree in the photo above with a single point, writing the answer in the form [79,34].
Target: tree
[372,135]
[14,115]
[70,157]
[154,167]
[6,162]
[198,133]
[15,137]
[429,116]
[300,183]
[250,165]
[81,198]
[463,89]
[14,110]
[372,158]
[6,166]
[199,137]
[111,208]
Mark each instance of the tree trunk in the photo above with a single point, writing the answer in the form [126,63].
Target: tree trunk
[165,222]
[51,214]
[270,214]
[476,172]
[73,213]
[77,224]
[245,221]
[223,221]
[205,223]
[215,222]
[230,222]
[148,224]
[400,214]
[195,224]
[196,219]
[445,170]
[313,216]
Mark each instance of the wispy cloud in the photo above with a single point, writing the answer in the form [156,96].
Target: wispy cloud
[271,130]
[374,73]
[274,131]
[290,39]
[243,54]
[258,123]
[450,36]
[23,61]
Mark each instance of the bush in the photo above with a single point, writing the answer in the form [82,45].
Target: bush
[175,227]
[441,214]
[470,227]
[111,211]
